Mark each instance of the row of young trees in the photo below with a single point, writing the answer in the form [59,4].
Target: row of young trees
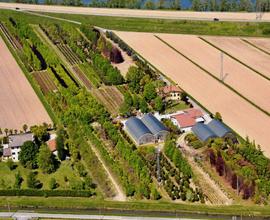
[244,166]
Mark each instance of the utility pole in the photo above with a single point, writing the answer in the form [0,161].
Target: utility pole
[221,66]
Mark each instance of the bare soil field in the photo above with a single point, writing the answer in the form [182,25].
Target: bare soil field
[240,115]
[244,52]
[235,74]
[165,14]
[19,103]
[262,43]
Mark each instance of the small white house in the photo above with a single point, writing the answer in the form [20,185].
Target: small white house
[13,148]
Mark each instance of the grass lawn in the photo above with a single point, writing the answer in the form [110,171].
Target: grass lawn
[172,26]
[7,177]
[176,106]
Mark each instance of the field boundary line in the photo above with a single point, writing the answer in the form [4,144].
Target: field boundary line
[216,78]
[253,45]
[29,78]
[244,64]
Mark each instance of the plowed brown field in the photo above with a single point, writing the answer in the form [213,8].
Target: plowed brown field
[243,117]
[244,52]
[19,103]
[235,74]
[262,43]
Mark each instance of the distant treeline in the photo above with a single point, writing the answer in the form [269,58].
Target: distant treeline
[195,5]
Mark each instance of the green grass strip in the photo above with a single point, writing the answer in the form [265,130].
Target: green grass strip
[206,71]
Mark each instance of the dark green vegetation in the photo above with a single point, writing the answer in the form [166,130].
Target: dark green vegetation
[174,175]
[244,166]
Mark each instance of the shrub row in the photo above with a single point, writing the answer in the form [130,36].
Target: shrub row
[46,193]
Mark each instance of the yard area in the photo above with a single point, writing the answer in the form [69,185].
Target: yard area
[176,106]
[65,176]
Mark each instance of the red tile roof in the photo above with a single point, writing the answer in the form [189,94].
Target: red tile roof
[52,145]
[184,120]
[169,89]
[194,112]
[188,118]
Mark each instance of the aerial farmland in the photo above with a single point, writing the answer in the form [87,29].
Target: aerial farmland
[234,73]
[239,114]
[134,115]
[244,52]
[20,104]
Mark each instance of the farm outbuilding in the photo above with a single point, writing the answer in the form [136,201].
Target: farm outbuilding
[203,132]
[138,131]
[213,129]
[155,126]
[220,129]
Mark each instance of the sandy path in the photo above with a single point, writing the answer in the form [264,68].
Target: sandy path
[225,16]
[237,113]
[236,75]
[120,196]
[244,52]
[19,103]
[262,43]
[207,184]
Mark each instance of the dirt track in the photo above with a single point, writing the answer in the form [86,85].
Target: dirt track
[19,103]
[237,113]
[224,16]
[235,74]
[244,52]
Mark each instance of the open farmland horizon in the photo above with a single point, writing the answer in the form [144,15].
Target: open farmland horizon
[235,74]
[136,13]
[239,114]
[20,104]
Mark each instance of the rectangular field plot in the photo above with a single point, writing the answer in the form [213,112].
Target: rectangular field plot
[240,115]
[45,81]
[110,97]
[244,52]
[19,103]
[235,74]
[261,43]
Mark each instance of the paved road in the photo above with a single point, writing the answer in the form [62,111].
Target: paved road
[30,215]
[181,15]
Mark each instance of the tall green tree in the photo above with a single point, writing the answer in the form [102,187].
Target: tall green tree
[46,160]
[149,92]
[28,154]
[60,143]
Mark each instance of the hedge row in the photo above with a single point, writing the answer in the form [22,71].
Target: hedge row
[46,193]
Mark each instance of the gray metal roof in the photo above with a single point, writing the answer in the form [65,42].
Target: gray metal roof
[218,128]
[136,128]
[203,132]
[154,125]
[19,139]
